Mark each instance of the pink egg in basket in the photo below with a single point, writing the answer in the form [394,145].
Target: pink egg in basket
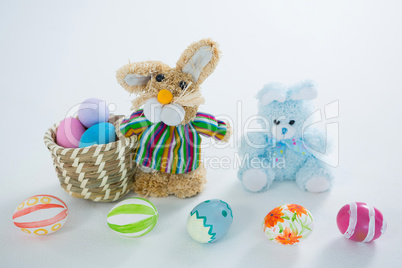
[361,222]
[69,133]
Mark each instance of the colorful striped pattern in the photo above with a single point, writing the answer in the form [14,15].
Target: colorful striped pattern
[40,214]
[209,126]
[361,222]
[171,149]
[133,217]
[136,124]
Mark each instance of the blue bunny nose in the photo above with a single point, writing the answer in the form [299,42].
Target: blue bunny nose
[284,130]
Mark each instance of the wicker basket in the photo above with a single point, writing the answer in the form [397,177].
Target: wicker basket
[102,173]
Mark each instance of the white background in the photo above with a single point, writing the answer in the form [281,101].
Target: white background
[55,54]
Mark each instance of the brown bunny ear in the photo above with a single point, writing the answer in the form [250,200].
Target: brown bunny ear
[134,77]
[199,60]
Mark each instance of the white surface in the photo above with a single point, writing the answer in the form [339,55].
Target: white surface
[55,54]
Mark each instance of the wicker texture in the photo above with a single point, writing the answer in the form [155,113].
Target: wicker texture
[102,173]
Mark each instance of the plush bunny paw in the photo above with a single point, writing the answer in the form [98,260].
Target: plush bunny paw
[318,184]
[255,180]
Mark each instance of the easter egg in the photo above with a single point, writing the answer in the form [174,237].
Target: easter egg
[69,133]
[209,221]
[101,133]
[40,215]
[133,217]
[288,224]
[93,111]
[361,222]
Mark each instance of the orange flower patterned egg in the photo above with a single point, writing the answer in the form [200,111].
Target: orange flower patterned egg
[40,215]
[288,224]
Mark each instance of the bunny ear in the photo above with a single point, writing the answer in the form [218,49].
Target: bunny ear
[199,60]
[272,92]
[134,77]
[303,91]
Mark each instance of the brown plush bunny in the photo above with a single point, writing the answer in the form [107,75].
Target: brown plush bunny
[169,125]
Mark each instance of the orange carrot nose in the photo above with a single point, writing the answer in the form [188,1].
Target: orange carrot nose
[165,96]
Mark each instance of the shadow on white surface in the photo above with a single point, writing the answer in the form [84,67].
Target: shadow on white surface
[342,252]
[266,253]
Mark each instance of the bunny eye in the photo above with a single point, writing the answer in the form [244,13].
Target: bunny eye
[277,122]
[291,122]
[160,77]
[183,85]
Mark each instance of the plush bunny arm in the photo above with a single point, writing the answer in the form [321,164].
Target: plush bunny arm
[317,141]
[207,125]
[135,124]
[229,132]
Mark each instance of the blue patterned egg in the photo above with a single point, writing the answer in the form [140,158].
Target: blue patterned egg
[209,221]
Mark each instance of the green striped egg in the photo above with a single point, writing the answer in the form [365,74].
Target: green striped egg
[133,217]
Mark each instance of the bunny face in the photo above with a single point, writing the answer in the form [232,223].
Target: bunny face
[171,95]
[286,119]
[174,81]
[286,108]
[167,95]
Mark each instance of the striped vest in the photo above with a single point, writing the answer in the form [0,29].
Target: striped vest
[171,149]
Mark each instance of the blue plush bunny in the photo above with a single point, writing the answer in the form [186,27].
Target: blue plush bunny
[285,151]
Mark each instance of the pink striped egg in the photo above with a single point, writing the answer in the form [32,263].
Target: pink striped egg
[40,214]
[361,222]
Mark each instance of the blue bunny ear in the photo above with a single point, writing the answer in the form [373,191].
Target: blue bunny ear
[272,92]
[303,91]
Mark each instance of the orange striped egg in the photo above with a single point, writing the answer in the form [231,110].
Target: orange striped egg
[40,214]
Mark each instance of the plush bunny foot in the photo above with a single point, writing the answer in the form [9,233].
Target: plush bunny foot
[159,184]
[313,177]
[256,180]
[150,184]
[318,184]
[188,184]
